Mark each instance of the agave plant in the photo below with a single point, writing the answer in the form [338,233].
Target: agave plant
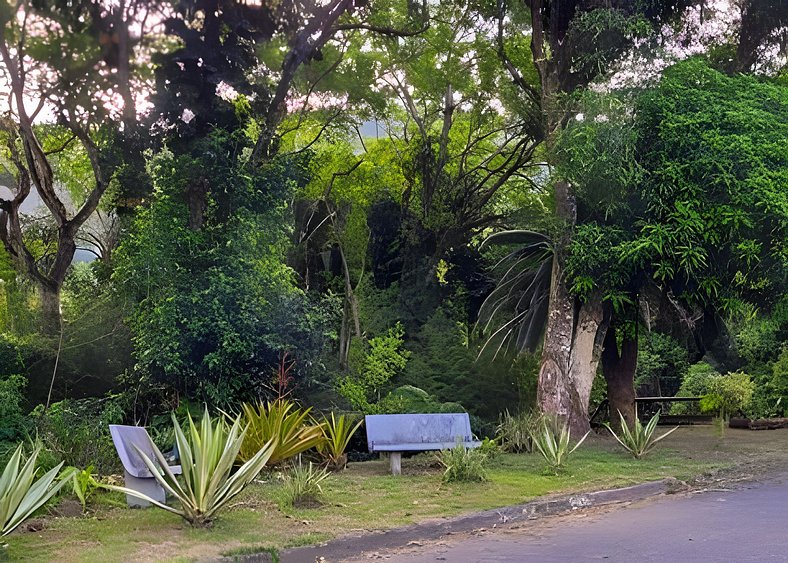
[303,484]
[284,424]
[207,453]
[552,440]
[337,432]
[640,439]
[19,495]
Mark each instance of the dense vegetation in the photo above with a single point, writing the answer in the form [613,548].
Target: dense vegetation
[386,207]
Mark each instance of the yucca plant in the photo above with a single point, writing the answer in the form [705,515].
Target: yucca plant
[207,453]
[337,432]
[552,440]
[640,439]
[281,422]
[19,495]
[513,433]
[303,484]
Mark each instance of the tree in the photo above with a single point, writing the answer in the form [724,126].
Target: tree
[62,74]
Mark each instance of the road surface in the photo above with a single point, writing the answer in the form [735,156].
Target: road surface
[746,524]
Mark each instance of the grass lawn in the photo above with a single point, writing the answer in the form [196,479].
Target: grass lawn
[365,498]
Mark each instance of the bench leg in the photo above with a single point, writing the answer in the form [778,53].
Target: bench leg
[395,461]
[149,487]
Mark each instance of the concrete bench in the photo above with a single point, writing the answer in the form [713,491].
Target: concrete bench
[138,477]
[397,433]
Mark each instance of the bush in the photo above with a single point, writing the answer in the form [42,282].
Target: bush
[13,423]
[695,383]
[514,432]
[303,484]
[463,464]
[281,422]
[337,432]
[728,394]
[77,432]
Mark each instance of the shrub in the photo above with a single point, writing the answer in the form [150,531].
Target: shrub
[19,496]
[640,440]
[463,464]
[303,484]
[337,432]
[281,422]
[13,422]
[552,439]
[77,432]
[207,454]
[728,394]
[695,383]
[84,484]
[514,432]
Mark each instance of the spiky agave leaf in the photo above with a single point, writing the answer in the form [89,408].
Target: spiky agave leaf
[640,440]
[207,484]
[20,497]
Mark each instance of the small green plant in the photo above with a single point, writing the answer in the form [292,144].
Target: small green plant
[639,440]
[552,439]
[84,484]
[490,448]
[727,395]
[514,433]
[19,495]
[281,422]
[303,484]
[337,432]
[207,453]
[463,464]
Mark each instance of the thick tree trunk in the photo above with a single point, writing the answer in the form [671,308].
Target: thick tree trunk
[50,308]
[619,371]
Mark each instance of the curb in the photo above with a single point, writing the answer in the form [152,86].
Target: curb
[348,546]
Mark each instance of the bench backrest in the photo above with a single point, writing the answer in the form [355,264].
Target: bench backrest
[417,432]
[125,438]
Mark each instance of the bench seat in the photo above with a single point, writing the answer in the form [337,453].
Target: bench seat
[397,433]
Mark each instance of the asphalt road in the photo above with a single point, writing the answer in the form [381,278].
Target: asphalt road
[748,524]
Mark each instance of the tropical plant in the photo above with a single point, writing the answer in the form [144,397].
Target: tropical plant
[640,439]
[551,439]
[84,484]
[517,307]
[281,422]
[207,453]
[19,495]
[337,432]
[463,464]
[303,483]
[514,431]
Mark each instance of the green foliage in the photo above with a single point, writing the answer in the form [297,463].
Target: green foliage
[639,440]
[463,464]
[217,305]
[282,424]
[13,422]
[303,484]
[695,383]
[728,394]
[77,432]
[84,484]
[383,360]
[207,455]
[337,432]
[20,496]
[661,363]
[514,432]
[552,439]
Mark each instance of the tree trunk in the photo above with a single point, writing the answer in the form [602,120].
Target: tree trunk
[50,308]
[619,371]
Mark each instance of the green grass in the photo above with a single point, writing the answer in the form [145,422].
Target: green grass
[365,497]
